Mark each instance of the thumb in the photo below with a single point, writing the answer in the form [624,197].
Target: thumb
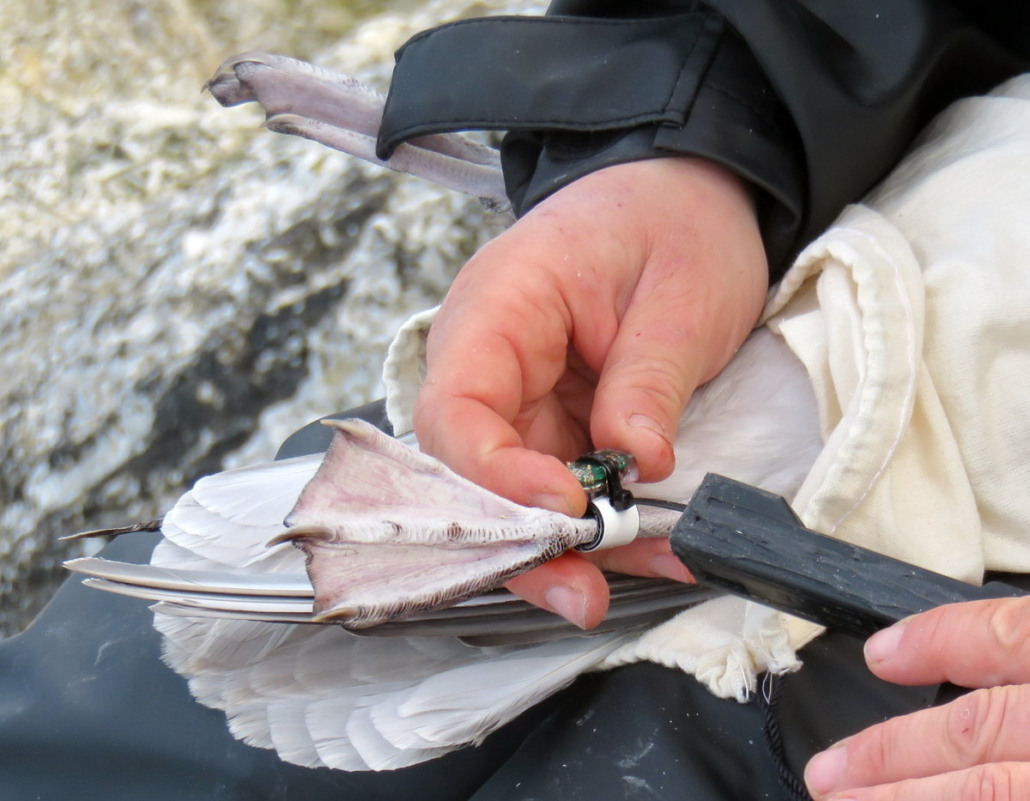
[652,368]
[974,644]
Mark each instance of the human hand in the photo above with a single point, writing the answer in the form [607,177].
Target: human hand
[589,324]
[977,747]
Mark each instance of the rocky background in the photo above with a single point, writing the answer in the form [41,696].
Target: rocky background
[180,289]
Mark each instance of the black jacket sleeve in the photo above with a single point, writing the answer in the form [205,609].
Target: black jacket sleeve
[812,102]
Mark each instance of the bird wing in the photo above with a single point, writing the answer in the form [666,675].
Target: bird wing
[342,113]
[321,695]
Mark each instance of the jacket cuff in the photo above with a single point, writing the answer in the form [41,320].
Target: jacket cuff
[578,94]
[735,120]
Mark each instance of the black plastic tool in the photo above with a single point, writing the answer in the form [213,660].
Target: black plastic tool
[750,543]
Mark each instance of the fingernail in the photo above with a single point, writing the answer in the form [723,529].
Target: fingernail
[665,564]
[642,421]
[824,771]
[882,645]
[568,603]
[553,502]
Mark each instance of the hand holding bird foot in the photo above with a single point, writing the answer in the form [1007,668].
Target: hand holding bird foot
[589,324]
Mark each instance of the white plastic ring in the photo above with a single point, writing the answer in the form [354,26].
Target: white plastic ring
[614,528]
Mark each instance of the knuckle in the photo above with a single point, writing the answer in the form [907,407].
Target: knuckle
[973,723]
[875,752]
[1008,626]
[660,382]
[996,782]
[425,420]
[882,753]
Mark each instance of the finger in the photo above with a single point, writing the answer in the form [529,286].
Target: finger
[573,586]
[978,644]
[698,295]
[650,557]
[499,375]
[979,728]
[477,443]
[473,397]
[569,586]
[1006,781]
[647,380]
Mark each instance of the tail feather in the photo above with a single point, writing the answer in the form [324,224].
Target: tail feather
[375,750]
[463,705]
[290,735]
[230,517]
[195,645]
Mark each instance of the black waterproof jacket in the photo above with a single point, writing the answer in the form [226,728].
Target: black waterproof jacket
[813,101]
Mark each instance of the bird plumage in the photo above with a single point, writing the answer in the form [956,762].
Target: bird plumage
[321,695]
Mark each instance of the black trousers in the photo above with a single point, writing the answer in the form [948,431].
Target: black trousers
[89,711]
